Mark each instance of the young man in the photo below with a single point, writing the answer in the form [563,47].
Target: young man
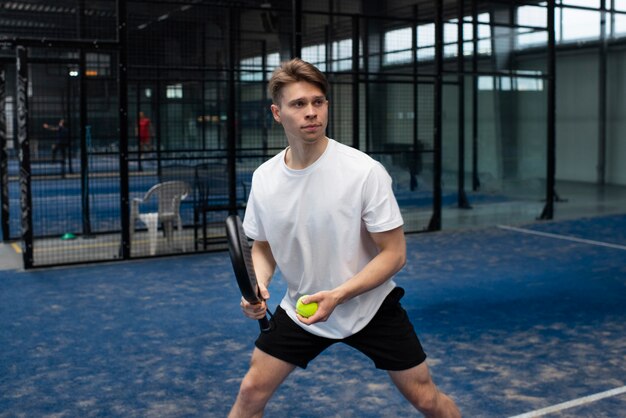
[325,214]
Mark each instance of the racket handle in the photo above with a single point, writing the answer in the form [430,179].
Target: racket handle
[264,324]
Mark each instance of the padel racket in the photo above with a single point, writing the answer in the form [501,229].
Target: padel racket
[241,258]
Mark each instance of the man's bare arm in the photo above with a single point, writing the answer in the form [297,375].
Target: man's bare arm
[264,267]
[390,260]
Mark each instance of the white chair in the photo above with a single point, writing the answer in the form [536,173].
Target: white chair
[169,196]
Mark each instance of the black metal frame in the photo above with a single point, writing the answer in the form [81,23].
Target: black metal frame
[4,159]
[548,210]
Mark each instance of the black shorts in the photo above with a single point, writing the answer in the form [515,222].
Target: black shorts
[389,339]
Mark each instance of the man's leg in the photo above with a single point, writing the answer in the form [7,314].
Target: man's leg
[266,373]
[64,150]
[418,388]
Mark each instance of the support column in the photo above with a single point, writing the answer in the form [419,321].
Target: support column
[475,178]
[356,97]
[232,109]
[435,220]
[24,156]
[602,116]
[4,161]
[296,46]
[462,201]
[122,88]
[548,210]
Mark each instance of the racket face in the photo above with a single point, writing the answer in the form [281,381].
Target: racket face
[241,259]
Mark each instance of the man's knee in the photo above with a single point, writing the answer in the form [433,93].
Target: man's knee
[426,398]
[433,403]
[253,392]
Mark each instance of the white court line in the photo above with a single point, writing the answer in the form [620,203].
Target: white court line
[563,237]
[571,404]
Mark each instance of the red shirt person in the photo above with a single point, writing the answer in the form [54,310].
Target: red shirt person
[145,132]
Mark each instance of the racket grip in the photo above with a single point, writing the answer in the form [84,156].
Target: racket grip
[264,324]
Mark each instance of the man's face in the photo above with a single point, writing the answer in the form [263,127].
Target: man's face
[303,112]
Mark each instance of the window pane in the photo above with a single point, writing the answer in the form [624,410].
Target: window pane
[397,42]
[485,83]
[530,37]
[174,91]
[468,48]
[273,61]
[505,83]
[484,31]
[252,65]
[450,31]
[529,84]
[468,32]
[97,64]
[450,35]
[342,55]
[315,54]
[583,3]
[484,47]
[426,35]
[342,65]
[532,16]
[426,53]
[253,62]
[342,49]
[620,5]
[620,25]
[580,24]
[398,39]
[397,57]
[398,46]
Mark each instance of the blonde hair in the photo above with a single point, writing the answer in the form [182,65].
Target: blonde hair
[293,71]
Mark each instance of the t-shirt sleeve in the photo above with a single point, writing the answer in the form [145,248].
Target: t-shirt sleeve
[252,225]
[380,208]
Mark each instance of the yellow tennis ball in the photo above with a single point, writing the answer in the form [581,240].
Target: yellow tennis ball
[307,309]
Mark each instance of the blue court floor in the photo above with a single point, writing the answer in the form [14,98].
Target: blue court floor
[519,321]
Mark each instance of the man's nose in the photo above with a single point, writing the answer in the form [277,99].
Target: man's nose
[311,112]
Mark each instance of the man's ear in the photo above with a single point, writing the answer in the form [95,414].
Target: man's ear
[275,112]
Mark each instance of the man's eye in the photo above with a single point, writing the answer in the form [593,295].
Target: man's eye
[318,102]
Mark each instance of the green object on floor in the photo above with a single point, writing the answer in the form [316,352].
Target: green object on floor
[68,235]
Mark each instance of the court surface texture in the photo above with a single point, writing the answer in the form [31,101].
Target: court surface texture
[518,321]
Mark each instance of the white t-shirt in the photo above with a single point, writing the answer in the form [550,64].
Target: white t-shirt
[316,221]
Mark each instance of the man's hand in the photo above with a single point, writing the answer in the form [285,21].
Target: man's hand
[258,310]
[326,304]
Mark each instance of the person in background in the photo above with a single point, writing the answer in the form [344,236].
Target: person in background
[144,131]
[62,141]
